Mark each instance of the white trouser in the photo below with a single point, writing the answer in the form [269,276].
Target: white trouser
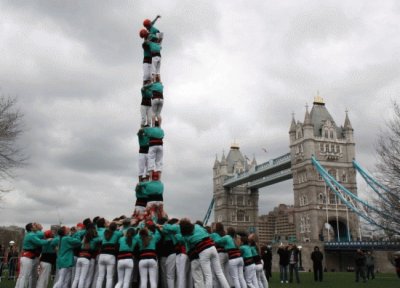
[145,113]
[197,274]
[209,261]
[155,65]
[156,106]
[155,158]
[236,272]
[34,275]
[148,267]
[182,268]
[81,271]
[223,260]
[147,71]
[96,272]
[89,276]
[25,271]
[170,269]
[64,278]
[125,268]
[250,276]
[143,164]
[44,276]
[106,268]
[262,280]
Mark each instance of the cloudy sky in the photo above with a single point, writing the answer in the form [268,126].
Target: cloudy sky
[232,70]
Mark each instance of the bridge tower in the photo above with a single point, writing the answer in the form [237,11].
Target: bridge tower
[238,206]
[314,204]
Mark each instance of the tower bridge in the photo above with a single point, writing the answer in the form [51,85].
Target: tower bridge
[265,174]
[237,179]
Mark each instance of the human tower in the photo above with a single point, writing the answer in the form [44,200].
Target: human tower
[149,190]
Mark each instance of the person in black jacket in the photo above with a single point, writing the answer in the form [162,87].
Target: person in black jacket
[360,260]
[283,262]
[317,257]
[266,255]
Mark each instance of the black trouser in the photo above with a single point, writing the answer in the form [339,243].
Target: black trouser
[360,271]
[370,271]
[295,268]
[317,271]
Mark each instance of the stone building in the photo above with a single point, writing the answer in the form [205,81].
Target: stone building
[319,214]
[277,226]
[236,207]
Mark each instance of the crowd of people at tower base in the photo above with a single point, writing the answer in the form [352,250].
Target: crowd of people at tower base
[126,253]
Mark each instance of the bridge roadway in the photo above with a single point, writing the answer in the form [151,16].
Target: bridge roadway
[268,173]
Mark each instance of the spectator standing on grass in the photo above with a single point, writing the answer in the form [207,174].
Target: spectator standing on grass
[317,257]
[370,263]
[293,263]
[396,263]
[283,262]
[266,255]
[360,265]
[12,259]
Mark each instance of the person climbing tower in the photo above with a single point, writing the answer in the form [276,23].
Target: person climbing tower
[155,157]
[145,105]
[147,66]
[157,101]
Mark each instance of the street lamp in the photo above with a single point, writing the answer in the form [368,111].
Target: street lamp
[301,262]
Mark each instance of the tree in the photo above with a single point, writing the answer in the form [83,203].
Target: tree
[10,128]
[388,151]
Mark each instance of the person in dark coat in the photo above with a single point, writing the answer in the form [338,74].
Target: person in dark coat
[360,261]
[293,263]
[317,257]
[283,253]
[266,255]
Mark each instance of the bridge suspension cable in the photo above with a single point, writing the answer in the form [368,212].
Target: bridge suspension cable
[208,214]
[375,185]
[356,204]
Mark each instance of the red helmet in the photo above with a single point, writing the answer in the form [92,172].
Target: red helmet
[143,33]
[147,23]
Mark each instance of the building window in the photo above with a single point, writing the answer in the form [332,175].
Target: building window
[308,224]
[326,133]
[240,216]
[239,200]
[220,218]
[321,198]
[249,203]
[232,200]
[302,225]
[344,177]
[331,134]
[233,216]
[219,201]
[321,147]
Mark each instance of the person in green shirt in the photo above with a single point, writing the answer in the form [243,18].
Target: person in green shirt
[157,102]
[143,154]
[155,157]
[127,245]
[249,266]
[65,256]
[31,244]
[109,249]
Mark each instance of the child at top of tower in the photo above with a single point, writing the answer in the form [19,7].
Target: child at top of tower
[152,29]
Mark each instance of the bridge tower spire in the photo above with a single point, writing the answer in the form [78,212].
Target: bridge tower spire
[238,206]
[314,204]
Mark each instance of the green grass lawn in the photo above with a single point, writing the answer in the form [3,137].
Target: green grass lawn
[331,280]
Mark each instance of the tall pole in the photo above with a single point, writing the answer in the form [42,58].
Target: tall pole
[337,219]
[327,216]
